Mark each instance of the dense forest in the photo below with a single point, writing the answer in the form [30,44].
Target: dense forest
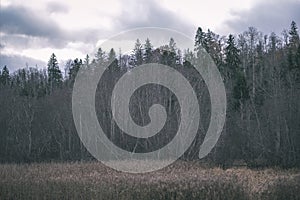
[261,75]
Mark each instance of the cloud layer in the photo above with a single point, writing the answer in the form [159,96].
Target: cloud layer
[267,16]
[144,13]
[24,29]
[23,21]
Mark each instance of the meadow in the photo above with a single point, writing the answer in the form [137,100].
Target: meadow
[181,180]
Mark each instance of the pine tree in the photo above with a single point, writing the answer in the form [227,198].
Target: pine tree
[111,55]
[4,76]
[54,73]
[87,60]
[232,59]
[100,56]
[171,54]
[200,39]
[172,45]
[138,53]
[75,66]
[234,73]
[148,51]
[235,85]
[112,60]
[294,44]
[294,36]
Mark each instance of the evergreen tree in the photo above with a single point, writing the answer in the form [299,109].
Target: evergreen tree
[111,55]
[138,53]
[172,45]
[171,57]
[100,56]
[4,76]
[231,147]
[294,43]
[232,59]
[148,51]
[87,60]
[200,39]
[75,66]
[113,61]
[294,36]
[235,76]
[213,47]
[54,73]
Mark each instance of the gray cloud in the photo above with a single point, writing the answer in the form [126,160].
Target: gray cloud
[55,7]
[14,62]
[19,42]
[143,13]
[26,28]
[20,20]
[269,16]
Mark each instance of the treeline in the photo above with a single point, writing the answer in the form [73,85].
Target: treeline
[261,75]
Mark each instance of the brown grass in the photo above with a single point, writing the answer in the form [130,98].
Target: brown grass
[182,180]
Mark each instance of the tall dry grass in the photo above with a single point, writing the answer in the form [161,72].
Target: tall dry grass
[182,180]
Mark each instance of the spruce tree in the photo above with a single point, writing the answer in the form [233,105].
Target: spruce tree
[200,39]
[232,59]
[100,56]
[294,43]
[4,76]
[54,73]
[294,36]
[138,53]
[75,66]
[111,55]
[148,51]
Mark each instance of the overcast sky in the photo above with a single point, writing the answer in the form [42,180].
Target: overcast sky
[33,29]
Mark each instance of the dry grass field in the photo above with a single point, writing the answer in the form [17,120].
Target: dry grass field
[181,180]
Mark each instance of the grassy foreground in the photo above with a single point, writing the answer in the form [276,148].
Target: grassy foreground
[182,180]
